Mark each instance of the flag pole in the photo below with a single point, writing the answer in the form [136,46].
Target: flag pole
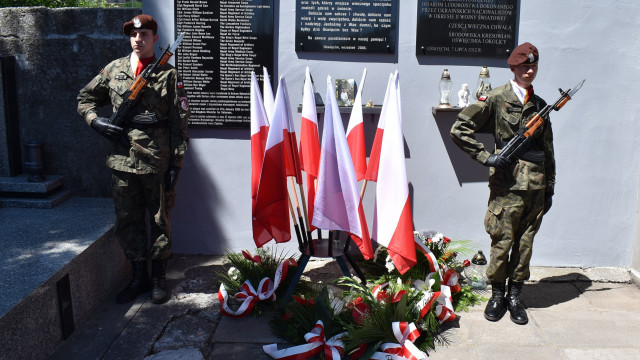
[295,224]
[364,187]
[304,211]
[332,235]
[300,218]
[319,231]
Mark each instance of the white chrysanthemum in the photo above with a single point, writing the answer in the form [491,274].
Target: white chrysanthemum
[389,264]
[233,273]
[437,238]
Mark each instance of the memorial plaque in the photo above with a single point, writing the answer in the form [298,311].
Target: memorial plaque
[471,28]
[346,26]
[224,41]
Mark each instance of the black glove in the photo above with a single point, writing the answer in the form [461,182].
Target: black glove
[547,202]
[104,128]
[171,178]
[497,161]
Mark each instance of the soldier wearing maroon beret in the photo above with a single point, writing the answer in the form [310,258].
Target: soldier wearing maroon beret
[520,192]
[146,154]
[140,22]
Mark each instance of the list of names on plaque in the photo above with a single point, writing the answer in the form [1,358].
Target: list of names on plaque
[478,28]
[224,42]
[346,26]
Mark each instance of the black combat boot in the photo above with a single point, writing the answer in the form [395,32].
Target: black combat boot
[515,305]
[159,293]
[139,283]
[496,306]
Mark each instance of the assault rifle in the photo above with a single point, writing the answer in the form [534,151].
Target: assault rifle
[132,95]
[520,142]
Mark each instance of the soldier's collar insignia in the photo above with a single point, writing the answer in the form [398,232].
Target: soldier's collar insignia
[137,23]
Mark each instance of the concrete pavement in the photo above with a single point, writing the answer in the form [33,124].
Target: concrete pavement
[574,314]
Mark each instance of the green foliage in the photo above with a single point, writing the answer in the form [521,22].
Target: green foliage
[365,316]
[239,269]
[466,298]
[299,316]
[68,3]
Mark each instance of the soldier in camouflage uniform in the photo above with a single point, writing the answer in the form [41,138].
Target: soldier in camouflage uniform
[146,156]
[520,192]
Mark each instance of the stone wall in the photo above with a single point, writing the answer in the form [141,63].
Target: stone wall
[57,52]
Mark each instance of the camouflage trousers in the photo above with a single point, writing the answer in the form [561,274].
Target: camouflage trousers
[512,220]
[135,196]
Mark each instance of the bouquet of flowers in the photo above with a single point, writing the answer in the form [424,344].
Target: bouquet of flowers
[254,279]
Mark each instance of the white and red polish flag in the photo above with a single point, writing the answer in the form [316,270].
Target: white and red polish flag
[271,211]
[392,222]
[267,92]
[338,205]
[259,133]
[374,156]
[355,134]
[309,142]
[283,110]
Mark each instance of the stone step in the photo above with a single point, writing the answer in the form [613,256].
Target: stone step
[48,202]
[18,191]
[21,184]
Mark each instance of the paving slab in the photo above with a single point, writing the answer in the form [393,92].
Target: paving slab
[555,296]
[588,329]
[247,329]
[606,353]
[507,351]
[571,317]
[238,351]
[178,354]
[619,297]
[187,331]
[479,331]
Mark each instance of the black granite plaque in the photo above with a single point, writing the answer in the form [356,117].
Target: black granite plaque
[346,26]
[468,28]
[224,41]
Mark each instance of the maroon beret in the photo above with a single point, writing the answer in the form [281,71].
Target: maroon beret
[140,22]
[523,54]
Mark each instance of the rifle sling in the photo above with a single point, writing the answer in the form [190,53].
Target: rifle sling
[534,156]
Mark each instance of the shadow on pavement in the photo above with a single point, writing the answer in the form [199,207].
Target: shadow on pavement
[555,290]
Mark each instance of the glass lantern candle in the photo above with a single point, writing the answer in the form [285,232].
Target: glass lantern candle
[445,90]
[483,85]
[475,273]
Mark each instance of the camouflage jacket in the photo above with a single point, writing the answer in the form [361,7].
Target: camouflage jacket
[150,149]
[501,114]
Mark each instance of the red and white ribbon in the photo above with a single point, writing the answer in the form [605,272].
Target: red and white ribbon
[450,278]
[381,295]
[444,308]
[266,291]
[406,333]
[431,258]
[316,343]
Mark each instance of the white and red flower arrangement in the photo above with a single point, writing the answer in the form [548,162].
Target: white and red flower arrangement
[395,316]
